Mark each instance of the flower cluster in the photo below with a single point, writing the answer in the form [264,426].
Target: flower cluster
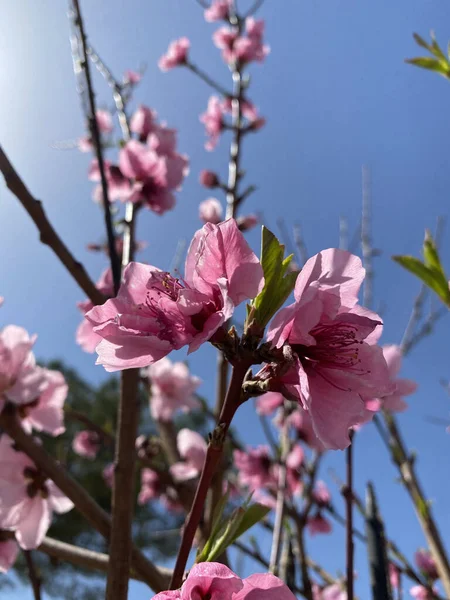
[217,582]
[155,313]
[242,48]
[150,168]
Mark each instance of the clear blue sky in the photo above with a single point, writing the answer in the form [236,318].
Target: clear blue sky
[336,95]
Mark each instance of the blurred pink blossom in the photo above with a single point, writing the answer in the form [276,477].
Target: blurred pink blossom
[256,468]
[218,11]
[143,121]
[176,54]
[86,444]
[8,554]
[210,211]
[192,449]
[209,179]
[426,563]
[172,388]
[85,334]
[150,486]
[28,498]
[402,387]
[213,121]
[318,524]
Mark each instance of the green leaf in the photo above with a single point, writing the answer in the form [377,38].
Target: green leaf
[432,64]
[430,253]
[253,515]
[226,531]
[279,283]
[432,277]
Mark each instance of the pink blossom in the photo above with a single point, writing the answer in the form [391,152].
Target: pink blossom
[173,388]
[394,576]
[156,175]
[86,444]
[143,121]
[155,313]
[192,449]
[46,413]
[104,121]
[401,387]
[210,211]
[268,403]
[131,77]
[426,563]
[422,593]
[224,39]
[84,143]
[150,486]
[256,468]
[264,586]
[108,475]
[218,11]
[247,222]
[242,49]
[318,524]
[301,422]
[331,592]
[28,498]
[338,367]
[21,380]
[85,334]
[213,122]
[176,54]
[208,179]
[217,582]
[212,580]
[119,188]
[321,494]
[8,554]
[248,109]
[294,461]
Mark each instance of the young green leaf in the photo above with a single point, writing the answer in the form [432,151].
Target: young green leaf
[279,283]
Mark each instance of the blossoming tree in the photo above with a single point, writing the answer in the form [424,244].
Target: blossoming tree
[290,333]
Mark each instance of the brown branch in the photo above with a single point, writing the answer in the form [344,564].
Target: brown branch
[85,504]
[96,139]
[207,79]
[33,576]
[48,235]
[212,460]
[123,499]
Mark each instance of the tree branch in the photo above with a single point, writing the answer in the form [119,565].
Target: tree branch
[95,135]
[33,576]
[48,235]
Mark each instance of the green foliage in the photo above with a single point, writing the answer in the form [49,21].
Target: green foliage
[279,283]
[430,271]
[227,530]
[438,62]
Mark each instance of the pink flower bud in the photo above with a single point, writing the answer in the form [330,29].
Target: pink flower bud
[210,211]
[209,179]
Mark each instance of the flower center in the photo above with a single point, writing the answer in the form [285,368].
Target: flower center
[35,482]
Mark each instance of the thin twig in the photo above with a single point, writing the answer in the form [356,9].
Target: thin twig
[96,139]
[48,235]
[207,79]
[366,240]
[33,576]
[349,520]
[252,10]
[300,244]
[343,233]
[280,503]
[85,504]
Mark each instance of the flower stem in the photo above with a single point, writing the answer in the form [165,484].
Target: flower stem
[213,455]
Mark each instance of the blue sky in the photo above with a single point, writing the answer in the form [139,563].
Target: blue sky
[336,94]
